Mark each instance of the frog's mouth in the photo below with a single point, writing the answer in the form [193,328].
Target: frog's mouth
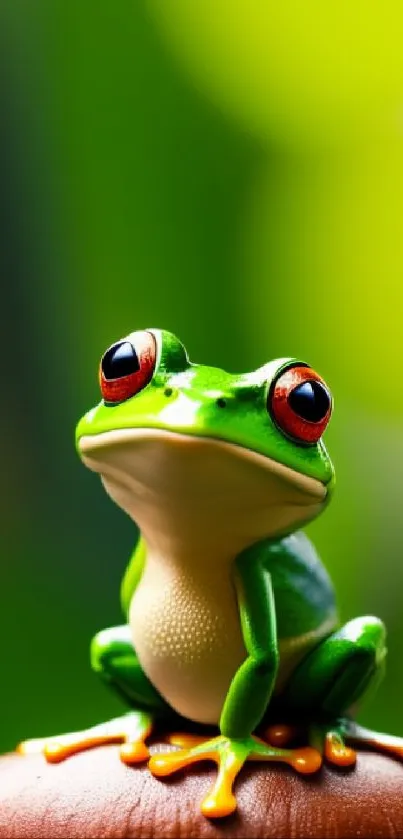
[180,487]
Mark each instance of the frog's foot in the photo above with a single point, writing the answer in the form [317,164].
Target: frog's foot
[330,741]
[333,741]
[326,739]
[131,730]
[374,740]
[229,755]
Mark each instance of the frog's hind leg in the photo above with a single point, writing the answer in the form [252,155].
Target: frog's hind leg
[113,657]
[329,683]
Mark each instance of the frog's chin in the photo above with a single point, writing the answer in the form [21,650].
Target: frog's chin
[196,489]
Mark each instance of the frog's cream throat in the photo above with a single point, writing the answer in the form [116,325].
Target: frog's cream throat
[191,491]
[198,502]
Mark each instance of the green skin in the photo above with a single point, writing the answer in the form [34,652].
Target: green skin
[280,576]
[282,589]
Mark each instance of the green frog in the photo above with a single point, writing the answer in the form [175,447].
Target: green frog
[231,634]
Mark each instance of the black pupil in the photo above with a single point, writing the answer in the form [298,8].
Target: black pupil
[310,400]
[119,361]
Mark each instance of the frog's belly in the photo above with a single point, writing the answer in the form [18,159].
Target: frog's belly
[188,640]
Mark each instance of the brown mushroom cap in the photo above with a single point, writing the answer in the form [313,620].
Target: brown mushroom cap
[94,795]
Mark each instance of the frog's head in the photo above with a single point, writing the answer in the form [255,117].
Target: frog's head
[181,442]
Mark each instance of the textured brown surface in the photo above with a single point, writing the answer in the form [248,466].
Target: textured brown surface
[94,795]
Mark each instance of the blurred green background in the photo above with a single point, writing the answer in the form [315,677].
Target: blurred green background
[232,172]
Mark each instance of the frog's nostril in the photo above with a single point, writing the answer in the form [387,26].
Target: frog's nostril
[168,391]
[221,403]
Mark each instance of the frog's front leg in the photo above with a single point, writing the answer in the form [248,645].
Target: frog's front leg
[329,683]
[245,704]
[113,657]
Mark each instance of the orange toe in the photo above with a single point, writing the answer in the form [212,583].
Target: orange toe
[306,761]
[55,752]
[280,735]
[134,752]
[339,754]
[164,764]
[217,807]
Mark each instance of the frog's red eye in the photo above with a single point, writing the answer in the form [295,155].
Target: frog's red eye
[300,403]
[127,367]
